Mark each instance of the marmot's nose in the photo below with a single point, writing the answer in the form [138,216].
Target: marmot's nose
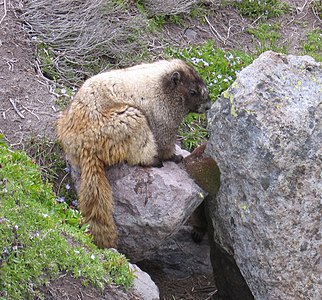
[208,104]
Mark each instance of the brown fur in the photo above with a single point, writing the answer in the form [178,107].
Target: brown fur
[129,115]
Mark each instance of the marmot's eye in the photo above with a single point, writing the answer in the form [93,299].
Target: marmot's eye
[192,92]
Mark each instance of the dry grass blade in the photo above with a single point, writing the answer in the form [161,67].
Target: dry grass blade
[168,7]
[84,36]
[4,11]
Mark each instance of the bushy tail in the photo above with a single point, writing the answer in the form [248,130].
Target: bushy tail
[96,202]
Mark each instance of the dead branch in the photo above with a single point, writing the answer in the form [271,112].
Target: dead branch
[5,11]
[30,111]
[16,109]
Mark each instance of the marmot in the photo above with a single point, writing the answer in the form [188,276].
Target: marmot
[128,115]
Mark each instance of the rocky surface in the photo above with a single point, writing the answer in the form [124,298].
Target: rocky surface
[179,257]
[266,137]
[144,288]
[150,205]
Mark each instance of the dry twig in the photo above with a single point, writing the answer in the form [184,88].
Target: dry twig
[216,33]
[316,14]
[5,11]
[31,112]
[16,109]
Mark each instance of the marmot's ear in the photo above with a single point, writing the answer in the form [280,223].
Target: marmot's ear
[175,77]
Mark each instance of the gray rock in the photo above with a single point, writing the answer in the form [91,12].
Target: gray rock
[144,288]
[150,205]
[266,137]
[191,34]
[179,257]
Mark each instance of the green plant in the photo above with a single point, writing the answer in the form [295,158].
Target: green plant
[317,7]
[48,155]
[267,37]
[219,69]
[64,95]
[313,44]
[36,242]
[261,8]
[198,11]
[47,61]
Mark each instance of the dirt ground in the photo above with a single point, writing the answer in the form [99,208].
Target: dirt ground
[27,107]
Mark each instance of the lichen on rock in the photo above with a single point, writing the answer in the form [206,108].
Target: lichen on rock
[268,211]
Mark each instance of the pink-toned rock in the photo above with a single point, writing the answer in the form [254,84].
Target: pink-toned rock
[150,205]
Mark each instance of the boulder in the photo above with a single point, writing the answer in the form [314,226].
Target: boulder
[266,137]
[150,204]
[144,288]
[180,257]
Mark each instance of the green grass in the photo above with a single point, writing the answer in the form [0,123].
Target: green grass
[46,57]
[261,8]
[313,44]
[41,238]
[267,38]
[317,7]
[218,68]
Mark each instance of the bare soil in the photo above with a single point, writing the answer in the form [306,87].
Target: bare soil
[27,107]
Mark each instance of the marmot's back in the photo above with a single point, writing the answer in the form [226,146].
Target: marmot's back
[147,82]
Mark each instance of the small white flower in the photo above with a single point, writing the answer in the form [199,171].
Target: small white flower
[45,215]
[60,199]
[219,76]
[93,256]
[76,251]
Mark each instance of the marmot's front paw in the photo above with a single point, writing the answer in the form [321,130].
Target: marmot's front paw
[176,158]
[157,163]
[197,234]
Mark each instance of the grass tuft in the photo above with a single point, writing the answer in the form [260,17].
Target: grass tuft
[265,9]
[267,38]
[35,238]
[313,44]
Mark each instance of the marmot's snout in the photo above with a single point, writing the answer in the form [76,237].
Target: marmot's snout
[204,107]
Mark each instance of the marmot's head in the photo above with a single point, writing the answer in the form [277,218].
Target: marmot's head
[188,85]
